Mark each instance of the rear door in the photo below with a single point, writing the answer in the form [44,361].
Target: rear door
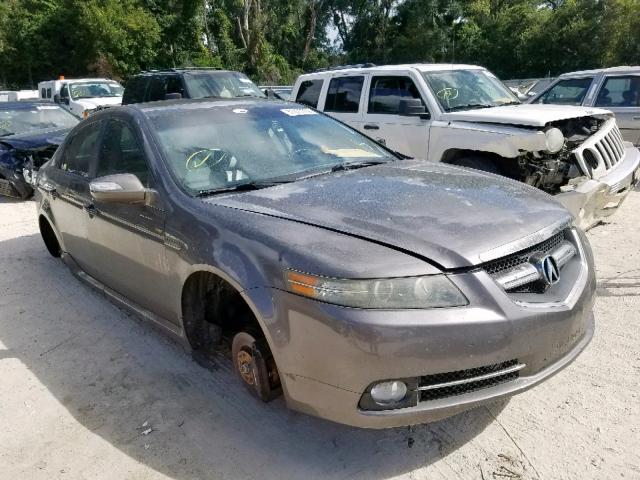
[69,196]
[621,95]
[383,121]
[344,99]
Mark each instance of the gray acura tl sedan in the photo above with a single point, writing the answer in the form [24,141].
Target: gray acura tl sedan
[369,289]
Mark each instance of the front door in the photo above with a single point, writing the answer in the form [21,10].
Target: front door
[382,119]
[128,238]
[621,95]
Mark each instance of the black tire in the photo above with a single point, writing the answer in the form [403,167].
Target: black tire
[49,238]
[255,367]
[479,163]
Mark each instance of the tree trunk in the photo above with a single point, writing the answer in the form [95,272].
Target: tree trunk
[313,21]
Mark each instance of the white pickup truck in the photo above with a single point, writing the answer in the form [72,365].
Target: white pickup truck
[464,115]
[81,96]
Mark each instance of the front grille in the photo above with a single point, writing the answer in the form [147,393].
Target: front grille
[496,267]
[439,381]
[602,151]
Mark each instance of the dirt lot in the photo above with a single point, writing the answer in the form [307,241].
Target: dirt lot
[81,383]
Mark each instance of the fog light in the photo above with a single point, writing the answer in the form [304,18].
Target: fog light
[388,392]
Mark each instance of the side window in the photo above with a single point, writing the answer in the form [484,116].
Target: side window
[120,152]
[386,92]
[48,93]
[157,89]
[174,85]
[567,92]
[309,92]
[43,93]
[81,150]
[344,94]
[619,92]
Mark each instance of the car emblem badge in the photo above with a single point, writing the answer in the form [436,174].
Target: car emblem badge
[548,268]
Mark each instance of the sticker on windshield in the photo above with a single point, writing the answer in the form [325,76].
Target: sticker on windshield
[294,112]
[239,110]
[46,107]
[244,80]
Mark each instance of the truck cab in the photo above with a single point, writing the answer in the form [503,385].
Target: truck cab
[81,97]
[464,115]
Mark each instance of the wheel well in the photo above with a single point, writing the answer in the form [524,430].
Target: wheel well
[49,237]
[213,311]
[508,167]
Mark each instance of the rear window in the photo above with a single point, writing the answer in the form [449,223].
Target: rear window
[344,94]
[309,92]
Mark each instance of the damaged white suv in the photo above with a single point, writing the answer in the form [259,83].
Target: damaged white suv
[464,115]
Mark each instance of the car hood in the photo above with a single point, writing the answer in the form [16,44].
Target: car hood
[451,216]
[91,103]
[530,115]
[35,139]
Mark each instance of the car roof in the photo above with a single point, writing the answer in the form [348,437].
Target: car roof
[620,69]
[421,67]
[183,70]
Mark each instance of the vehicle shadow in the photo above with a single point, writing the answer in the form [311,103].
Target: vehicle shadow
[118,377]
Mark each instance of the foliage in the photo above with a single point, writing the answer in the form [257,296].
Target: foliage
[275,40]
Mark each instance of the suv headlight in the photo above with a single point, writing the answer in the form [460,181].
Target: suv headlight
[430,291]
[555,140]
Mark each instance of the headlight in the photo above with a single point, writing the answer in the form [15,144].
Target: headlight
[555,140]
[430,291]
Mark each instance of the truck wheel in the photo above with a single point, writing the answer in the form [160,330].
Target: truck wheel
[479,163]
[255,366]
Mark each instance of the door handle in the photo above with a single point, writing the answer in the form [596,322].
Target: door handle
[90,209]
[371,126]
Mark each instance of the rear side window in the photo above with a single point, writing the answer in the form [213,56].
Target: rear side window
[619,92]
[81,150]
[134,90]
[309,92]
[157,89]
[120,152]
[387,92]
[567,92]
[48,93]
[43,93]
[344,94]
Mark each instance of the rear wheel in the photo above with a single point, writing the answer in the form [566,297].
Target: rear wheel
[255,366]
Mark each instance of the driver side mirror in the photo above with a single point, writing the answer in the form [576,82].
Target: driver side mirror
[413,108]
[120,188]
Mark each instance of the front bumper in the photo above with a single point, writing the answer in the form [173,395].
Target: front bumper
[13,184]
[595,199]
[328,355]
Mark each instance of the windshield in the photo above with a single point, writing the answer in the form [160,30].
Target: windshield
[567,92]
[225,147]
[221,84]
[23,120]
[95,90]
[468,89]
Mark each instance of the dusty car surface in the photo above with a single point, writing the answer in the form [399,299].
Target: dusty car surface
[617,89]
[463,115]
[29,135]
[371,290]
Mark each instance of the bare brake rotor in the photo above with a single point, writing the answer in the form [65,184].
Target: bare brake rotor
[245,367]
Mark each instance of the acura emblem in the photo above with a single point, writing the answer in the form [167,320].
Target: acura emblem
[547,267]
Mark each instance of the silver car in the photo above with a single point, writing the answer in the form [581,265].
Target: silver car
[368,288]
[616,89]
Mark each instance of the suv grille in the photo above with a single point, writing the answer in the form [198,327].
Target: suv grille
[442,385]
[496,267]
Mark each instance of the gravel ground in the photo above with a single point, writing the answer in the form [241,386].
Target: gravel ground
[89,392]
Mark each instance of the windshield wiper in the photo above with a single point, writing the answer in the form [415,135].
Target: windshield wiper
[353,165]
[242,187]
[513,102]
[7,134]
[470,106]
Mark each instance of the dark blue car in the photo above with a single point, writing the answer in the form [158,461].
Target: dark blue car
[29,135]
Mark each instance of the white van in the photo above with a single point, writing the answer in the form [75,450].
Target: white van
[464,115]
[81,96]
